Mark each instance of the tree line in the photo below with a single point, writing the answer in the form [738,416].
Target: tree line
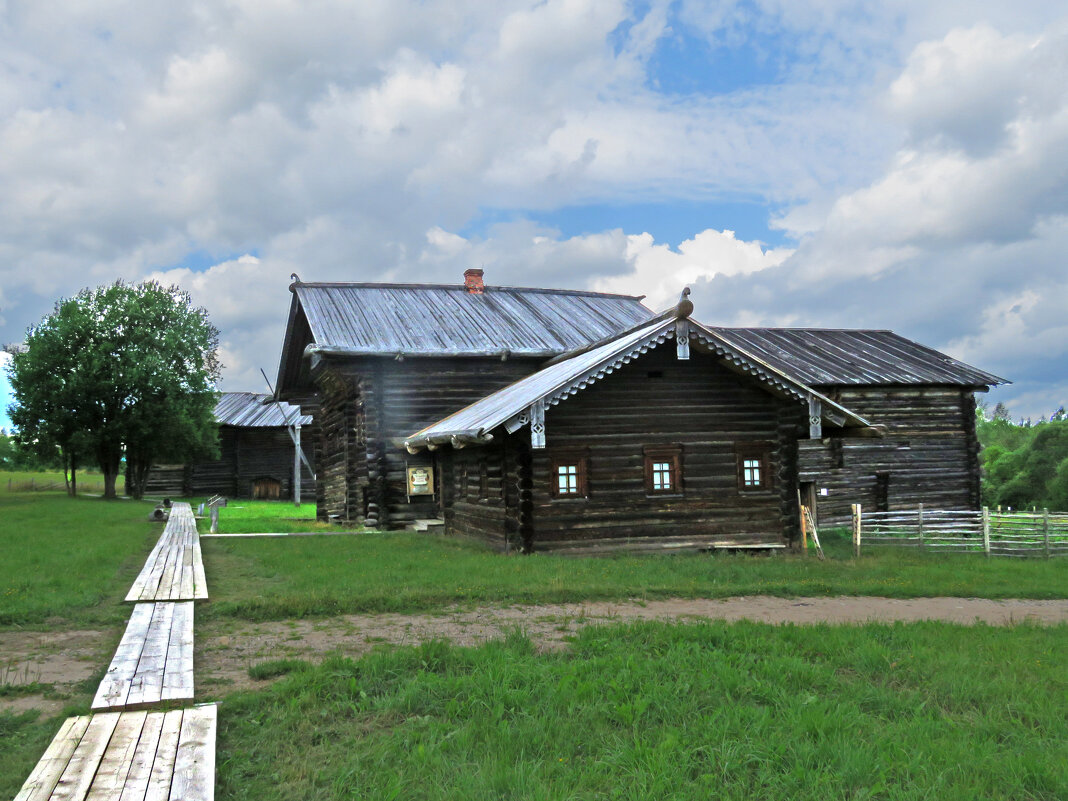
[119,375]
[1025,463]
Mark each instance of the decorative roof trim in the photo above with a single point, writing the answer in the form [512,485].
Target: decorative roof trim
[666,329]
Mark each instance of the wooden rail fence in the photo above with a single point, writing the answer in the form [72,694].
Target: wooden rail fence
[1020,534]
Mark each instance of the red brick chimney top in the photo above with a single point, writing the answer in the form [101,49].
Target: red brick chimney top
[473,281]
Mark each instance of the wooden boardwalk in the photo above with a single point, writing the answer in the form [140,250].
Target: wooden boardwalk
[175,568]
[148,756]
[154,660]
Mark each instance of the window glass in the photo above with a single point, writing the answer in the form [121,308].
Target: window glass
[661,476]
[567,476]
[751,475]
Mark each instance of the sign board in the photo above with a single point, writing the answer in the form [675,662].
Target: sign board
[420,480]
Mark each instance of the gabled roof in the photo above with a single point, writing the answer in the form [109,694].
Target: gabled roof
[514,405]
[253,410]
[829,357]
[437,319]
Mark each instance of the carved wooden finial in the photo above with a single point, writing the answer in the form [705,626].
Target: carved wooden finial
[295,279]
[685,307]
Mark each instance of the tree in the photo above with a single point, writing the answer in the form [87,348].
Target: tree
[121,370]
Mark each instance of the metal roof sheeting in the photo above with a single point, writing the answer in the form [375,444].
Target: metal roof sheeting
[558,381]
[253,410]
[428,319]
[831,357]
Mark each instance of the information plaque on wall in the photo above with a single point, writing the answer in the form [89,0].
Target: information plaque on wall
[420,480]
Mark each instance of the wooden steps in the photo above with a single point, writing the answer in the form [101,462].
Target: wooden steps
[433,524]
[164,756]
[154,660]
[174,570]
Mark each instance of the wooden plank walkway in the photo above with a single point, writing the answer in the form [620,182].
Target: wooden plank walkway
[154,660]
[174,570]
[123,756]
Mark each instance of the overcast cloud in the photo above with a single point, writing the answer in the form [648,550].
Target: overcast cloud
[910,162]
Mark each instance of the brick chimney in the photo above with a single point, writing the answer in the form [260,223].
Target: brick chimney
[473,281]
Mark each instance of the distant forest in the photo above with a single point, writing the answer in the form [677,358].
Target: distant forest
[1025,463]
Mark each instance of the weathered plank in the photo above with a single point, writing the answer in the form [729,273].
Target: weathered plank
[174,570]
[154,660]
[194,766]
[129,756]
[115,764]
[78,776]
[159,783]
[45,776]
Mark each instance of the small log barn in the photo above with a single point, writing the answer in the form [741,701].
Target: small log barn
[256,454]
[560,420]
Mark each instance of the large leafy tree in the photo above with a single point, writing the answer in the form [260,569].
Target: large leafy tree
[121,370]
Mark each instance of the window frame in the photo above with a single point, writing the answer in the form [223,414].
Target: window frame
[672,454]
[761,452]
[580,459]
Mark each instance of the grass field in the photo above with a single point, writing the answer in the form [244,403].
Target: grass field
[637,711]
[69,560]
[307,576]
[51,481]
[742,711]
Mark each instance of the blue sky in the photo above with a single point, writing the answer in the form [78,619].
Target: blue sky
[5,394]
[846,164]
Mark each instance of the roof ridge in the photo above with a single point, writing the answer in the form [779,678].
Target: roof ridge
[462,288]
[800,328]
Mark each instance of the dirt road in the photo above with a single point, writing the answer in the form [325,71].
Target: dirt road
[226,649]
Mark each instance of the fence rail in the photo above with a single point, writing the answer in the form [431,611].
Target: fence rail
[1019,534]
[52,485]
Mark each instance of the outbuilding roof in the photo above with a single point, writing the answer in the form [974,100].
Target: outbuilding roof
[253,410]
[844,357]
[445,319]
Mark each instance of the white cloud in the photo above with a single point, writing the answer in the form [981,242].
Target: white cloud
[918,157]
[661,272]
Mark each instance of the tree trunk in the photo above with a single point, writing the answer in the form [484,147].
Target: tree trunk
[109,466]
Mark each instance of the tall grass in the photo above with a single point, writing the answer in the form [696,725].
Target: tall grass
[649,711]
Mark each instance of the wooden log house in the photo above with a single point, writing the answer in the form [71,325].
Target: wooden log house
[256,454]
[550,419]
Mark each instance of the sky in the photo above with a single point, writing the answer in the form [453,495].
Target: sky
[901,164]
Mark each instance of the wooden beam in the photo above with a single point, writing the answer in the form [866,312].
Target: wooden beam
[682,339]
[537,424]
[815,418]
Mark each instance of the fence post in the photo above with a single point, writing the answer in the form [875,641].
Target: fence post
[919,523]
[1045,532]
[986,530]
[856,531]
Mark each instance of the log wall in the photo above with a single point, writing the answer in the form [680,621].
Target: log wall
[659,400]
[385,400]
[929,456]
[245,455]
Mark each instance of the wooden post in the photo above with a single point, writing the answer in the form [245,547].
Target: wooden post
[919,523]
[1045,532]
[986,530]
[856,531]
[804,535]
[214,519]
[296,464]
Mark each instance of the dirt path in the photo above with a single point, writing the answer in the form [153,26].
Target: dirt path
[225,649]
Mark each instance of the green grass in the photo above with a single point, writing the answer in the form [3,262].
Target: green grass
[712,710]
[268,579]
[12,482]
[69,560]
[243,516]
